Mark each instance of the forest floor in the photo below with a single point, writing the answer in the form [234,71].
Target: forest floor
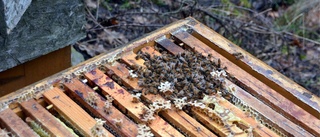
[283,34]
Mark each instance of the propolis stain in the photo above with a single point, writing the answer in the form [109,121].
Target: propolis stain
[109,84]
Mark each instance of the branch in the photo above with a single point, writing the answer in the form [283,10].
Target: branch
[134,25]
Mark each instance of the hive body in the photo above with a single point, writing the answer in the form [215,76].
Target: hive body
[182,80]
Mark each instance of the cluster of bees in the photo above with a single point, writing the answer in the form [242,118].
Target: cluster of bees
[191,78]
[188,72]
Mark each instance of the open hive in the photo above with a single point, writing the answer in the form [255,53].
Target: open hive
[182,80]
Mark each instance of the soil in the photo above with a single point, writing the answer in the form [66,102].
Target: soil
[253,28]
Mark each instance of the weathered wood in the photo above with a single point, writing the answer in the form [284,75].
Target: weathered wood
[215,126]
[261,130]
[185,122]
[265,107]
[171,47]
[69,110]
[150,50]
[212,126]
[286,126]
[122,99]
[118,68]
[256,87]
[265,73]
[79,92]
[54,79]
[275,120]
[46,120]
[14,124]
[178,118]
[130,57]
[139,62]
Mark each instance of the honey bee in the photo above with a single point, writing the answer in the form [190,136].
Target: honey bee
[209,56]
[165,58]
[194,49]
[210,92]
[153,90]
[181,93]
[219,63]
[147,55]
[136,91]
[157,48]
[209,85]
[139,56]
[238,55]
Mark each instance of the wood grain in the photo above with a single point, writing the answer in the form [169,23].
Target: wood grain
[256,87]
[286,126]
[14,124]
[73,113]
[79,92]
[216,127]
[123,100]
[268,75]
[178,118]
[261,131]
[45,119]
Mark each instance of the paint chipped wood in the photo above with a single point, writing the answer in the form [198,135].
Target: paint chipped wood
[282,103]
[256,87]
[178,118]
[79,91]
[69,110]
[14,124]
[46,120]
[123,100]
[288,127]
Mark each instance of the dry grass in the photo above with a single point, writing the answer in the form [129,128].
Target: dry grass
[288,42]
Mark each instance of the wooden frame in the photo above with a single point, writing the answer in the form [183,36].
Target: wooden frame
[277,105]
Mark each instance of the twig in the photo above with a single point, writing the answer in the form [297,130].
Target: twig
[87,41]
[259,29]
[293,20]
[303,38]
[256,14]
[268,54]
[97,12]
[97,23]
[173,12]
[158,13]
[129,13]
[135,25]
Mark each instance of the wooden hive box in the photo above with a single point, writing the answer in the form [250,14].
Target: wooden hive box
[260,101]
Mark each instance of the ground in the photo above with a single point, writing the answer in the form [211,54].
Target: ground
[283,34]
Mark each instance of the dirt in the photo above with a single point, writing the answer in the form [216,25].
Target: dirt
[255,29]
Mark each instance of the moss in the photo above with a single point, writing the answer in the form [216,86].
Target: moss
[284,50]
[38,129]
[303,56]
[68,128]
[126,5]
[159,2]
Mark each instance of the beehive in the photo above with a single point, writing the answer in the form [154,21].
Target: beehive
[260,101]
